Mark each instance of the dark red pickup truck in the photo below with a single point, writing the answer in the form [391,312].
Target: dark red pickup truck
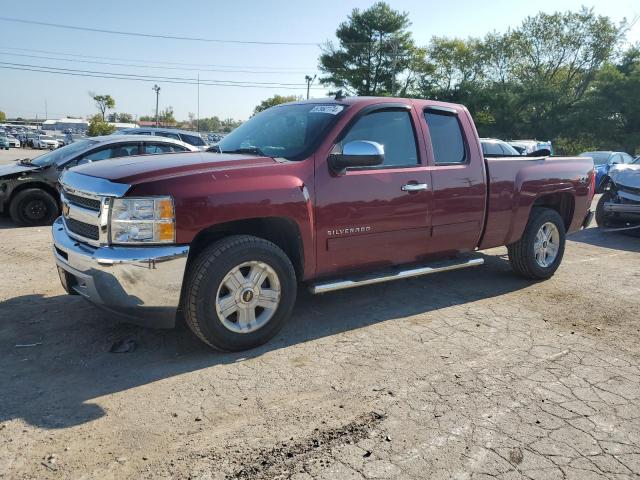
[329,193]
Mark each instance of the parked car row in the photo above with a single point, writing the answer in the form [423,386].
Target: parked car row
[29,188]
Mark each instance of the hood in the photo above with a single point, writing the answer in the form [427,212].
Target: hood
[626,175]
[14,169]
[139,169]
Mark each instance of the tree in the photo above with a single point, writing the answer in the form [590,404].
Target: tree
[125,118]
[273,101]
[97,127]
[103,103]
[229,124]
[610,111]
[166,116]
[376,54]
[3,116]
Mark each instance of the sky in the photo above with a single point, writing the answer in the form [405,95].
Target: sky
[31,94]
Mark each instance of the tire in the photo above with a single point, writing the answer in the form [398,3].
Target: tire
[206,284]
[33,207]
[522,254]
[600,215]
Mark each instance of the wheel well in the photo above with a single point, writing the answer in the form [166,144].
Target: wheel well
[279,230]
[563,203]
[42,186]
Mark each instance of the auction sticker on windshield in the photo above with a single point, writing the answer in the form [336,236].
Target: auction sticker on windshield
[330,109]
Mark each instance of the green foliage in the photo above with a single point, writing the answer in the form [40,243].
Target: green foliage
[97,127]
[103,103]
[273,101]
[120,117]
[3,116]
[166,116]
[553,77]
[376,54]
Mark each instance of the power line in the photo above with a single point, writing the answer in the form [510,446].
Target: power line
[150,35]
[152,77]
[139,66]
[200,66]
[106,75]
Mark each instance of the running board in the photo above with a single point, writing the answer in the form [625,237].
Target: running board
[390,275]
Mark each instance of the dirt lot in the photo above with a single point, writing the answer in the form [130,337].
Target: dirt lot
[8,156]
[470,374]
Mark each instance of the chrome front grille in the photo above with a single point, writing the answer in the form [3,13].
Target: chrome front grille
[86,204]
[90,203]
[82,229]
[85,215]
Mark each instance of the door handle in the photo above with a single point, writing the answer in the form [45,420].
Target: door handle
[414,187]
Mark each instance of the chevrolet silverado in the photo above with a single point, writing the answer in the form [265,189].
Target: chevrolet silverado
[330,194]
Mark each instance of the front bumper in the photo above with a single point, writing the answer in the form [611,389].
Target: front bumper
[142,284]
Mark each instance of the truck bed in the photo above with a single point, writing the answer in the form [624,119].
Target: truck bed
[514,182]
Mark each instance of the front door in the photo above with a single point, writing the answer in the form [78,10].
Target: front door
[375,216]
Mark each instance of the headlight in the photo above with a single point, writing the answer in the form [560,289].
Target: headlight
[143,220]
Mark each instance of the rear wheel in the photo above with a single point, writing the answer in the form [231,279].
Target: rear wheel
[33,207]
[537,255]
[239,293]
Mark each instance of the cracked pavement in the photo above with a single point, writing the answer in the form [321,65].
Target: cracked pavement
[474,374]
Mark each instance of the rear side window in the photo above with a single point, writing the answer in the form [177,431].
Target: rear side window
[193,140]
[393,130]
[152,148]
[446,137]
[175,136]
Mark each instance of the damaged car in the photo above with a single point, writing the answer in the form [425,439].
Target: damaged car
[619,206]
[29,187]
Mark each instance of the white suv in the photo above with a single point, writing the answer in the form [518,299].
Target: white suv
[45,141]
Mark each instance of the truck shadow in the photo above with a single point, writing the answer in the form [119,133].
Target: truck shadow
[612,240]
[52,382]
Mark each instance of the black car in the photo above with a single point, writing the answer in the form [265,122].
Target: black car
[28,188]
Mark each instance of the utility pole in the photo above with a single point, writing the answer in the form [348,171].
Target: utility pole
[198,115]
[309,82]
[156,89]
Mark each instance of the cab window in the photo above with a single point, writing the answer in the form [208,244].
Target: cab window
[446,138]
[393,130]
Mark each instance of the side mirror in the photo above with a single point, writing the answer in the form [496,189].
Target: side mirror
[359,153]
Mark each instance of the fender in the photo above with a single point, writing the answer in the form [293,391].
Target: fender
[205,199]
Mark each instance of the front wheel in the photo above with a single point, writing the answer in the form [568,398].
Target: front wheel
[33,207]
[239,293]
[537,255]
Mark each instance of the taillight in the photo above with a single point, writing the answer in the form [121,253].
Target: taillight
[593,183]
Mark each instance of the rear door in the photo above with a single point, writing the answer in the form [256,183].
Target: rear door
[457,177]
[366,217]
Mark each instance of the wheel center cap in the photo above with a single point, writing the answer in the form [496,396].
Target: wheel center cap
[247,295]
[544,244]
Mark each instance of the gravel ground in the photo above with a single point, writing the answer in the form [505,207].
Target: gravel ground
[469,374]
[9,156]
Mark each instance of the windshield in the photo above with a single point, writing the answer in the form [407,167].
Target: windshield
[599,158]
[62,154]
[287,131]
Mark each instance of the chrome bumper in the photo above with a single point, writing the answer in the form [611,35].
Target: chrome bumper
[140,283]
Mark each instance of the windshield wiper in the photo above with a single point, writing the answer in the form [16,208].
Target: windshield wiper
[251,150]
[25,161]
